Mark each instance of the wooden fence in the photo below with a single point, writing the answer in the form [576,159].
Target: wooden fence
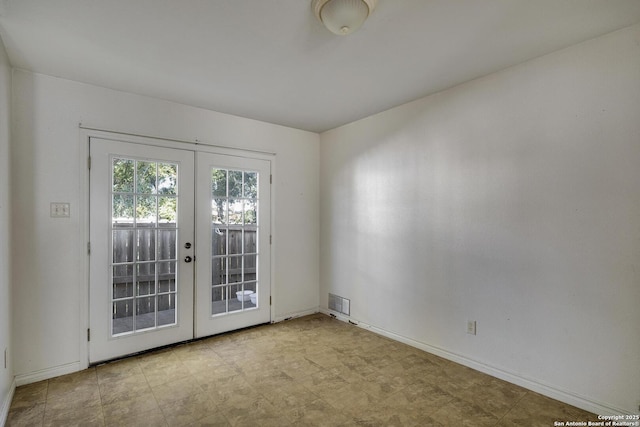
[152,250]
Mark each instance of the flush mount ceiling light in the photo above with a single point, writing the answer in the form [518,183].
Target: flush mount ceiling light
[342,17]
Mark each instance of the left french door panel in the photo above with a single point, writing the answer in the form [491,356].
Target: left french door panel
[142,244]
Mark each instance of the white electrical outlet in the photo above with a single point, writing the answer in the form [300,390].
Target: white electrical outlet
[60,210]
[471,327]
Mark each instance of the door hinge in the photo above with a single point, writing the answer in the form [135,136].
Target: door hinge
[270,179]
[269,299]
[270,239]
[88,248]
[88,334]
[89,162]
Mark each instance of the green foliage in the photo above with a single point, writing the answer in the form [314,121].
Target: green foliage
[154,186]
[230,190]
[146,189]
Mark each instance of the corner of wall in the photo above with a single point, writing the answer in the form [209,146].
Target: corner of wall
[5,404]
[507,200]
[7,380]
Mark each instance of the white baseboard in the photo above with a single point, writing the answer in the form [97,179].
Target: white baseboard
[45,374]
[56,371]
[6,405]
[565,396]
[293,315]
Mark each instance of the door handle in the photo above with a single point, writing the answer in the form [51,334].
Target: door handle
[187,259]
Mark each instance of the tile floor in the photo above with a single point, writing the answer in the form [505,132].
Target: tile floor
[312,371]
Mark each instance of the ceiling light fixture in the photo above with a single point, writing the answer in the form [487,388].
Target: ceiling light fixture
[342,17]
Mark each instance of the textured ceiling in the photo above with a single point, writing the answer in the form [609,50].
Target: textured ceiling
[271,60]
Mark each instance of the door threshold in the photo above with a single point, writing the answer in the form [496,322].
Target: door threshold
[176,344]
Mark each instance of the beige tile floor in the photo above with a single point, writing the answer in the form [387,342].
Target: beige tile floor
[312,371]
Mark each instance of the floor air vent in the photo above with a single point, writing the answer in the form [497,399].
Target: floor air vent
[339,304]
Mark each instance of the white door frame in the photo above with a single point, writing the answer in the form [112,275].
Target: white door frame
[87,132]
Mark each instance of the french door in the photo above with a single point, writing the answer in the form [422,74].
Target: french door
[232,219]
[179,245]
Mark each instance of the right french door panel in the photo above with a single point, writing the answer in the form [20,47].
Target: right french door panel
[233,197]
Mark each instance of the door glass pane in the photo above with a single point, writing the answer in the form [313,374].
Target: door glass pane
[167,213]
[166,309]
[122,241]
[237,297]
[147,176]
[235,211]
[219,241]
[250,246]
[250,185]
[146,210]
[144,241]
[235,241]
[234,237]
[250,212]
[122,210]
[123,175]
[146,279]
[219,183]
[218,271]
[250,270]
[253,293]
[146,244]
[122,281]
[167,276]
[235,269]
[122,321]
[219,211]
[219,300]
[235,183]
[167,178]
[145,313]
[167,244]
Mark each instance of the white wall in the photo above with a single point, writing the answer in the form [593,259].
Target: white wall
[47,253]
[512,200]
[6,374]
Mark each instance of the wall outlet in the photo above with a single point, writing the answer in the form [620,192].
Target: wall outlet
[471,327]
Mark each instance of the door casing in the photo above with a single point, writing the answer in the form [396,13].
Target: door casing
[85,133]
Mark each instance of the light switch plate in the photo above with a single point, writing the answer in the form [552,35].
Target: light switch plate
[471,327]
[60,210]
